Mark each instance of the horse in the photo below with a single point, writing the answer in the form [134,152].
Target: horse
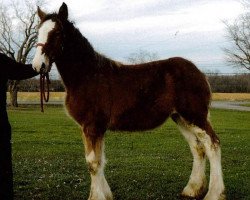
[103,94]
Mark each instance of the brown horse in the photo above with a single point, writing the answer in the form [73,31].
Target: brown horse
[103,94]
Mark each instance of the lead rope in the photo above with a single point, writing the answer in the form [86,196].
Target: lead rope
[44,77]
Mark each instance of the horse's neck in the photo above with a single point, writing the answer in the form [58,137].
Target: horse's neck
[73,73]
[77,60]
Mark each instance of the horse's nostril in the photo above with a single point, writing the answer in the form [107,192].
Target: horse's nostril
[42,70]
[43,66]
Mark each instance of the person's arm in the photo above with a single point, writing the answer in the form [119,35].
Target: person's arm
[13,70]
[18,71]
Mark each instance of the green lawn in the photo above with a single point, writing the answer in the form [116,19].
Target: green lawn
[49,162]
[247,104]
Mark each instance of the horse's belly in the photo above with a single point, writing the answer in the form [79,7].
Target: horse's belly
[136,120]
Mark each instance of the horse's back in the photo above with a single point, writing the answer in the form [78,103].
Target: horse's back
[182,75]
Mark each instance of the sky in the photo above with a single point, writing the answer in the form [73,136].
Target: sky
[192,29]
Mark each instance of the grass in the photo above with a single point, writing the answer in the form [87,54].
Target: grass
[48,157]
[246,104]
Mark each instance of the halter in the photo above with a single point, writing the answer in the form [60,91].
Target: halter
[40,45]
[44,77]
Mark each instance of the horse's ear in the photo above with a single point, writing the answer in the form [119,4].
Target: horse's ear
[40,13]
[63,12]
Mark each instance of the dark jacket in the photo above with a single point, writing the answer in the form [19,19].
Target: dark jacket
[9,69]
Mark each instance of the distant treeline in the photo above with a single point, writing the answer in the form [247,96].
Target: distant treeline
[230,83]
[33,85]
[219,83]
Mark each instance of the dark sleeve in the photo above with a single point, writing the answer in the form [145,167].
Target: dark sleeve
[18,71]
[10,69]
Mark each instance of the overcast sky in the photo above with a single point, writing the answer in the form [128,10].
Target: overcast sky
[189,28]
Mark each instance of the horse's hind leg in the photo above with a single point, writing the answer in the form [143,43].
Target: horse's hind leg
[196,185]
[209,142]
[94,152]
[213,151]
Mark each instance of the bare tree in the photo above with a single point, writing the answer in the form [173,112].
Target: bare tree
[246,3]
[238,33]
[18,34]
[141,56]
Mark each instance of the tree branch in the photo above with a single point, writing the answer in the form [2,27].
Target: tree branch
[239,35]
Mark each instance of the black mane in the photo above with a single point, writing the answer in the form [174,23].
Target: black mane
[78,48]
[73,39]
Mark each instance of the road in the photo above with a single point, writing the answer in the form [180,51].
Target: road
[231,105]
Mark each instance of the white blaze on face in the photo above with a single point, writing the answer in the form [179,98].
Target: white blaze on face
[43,32]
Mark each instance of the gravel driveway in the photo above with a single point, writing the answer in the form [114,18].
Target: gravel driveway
[231,105]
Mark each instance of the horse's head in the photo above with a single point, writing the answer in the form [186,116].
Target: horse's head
[50,38]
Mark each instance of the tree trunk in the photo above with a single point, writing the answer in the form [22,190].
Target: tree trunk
[13,88]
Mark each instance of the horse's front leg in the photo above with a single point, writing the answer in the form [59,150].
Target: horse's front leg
[95,158]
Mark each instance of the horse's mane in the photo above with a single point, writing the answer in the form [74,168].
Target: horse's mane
[83,45]
[77,48]
[84,48]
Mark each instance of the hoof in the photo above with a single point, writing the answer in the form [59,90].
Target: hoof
[192,191]
[100,197]
[210,196]
[94,195]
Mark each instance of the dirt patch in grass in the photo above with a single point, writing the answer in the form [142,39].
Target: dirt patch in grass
[59,96]
[35,96]
[231,96]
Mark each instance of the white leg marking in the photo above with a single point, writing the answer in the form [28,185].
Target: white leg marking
[213,152]
[197,181]
[100,189]
[91,160]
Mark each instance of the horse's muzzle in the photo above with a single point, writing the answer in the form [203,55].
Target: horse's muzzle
[43,68]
